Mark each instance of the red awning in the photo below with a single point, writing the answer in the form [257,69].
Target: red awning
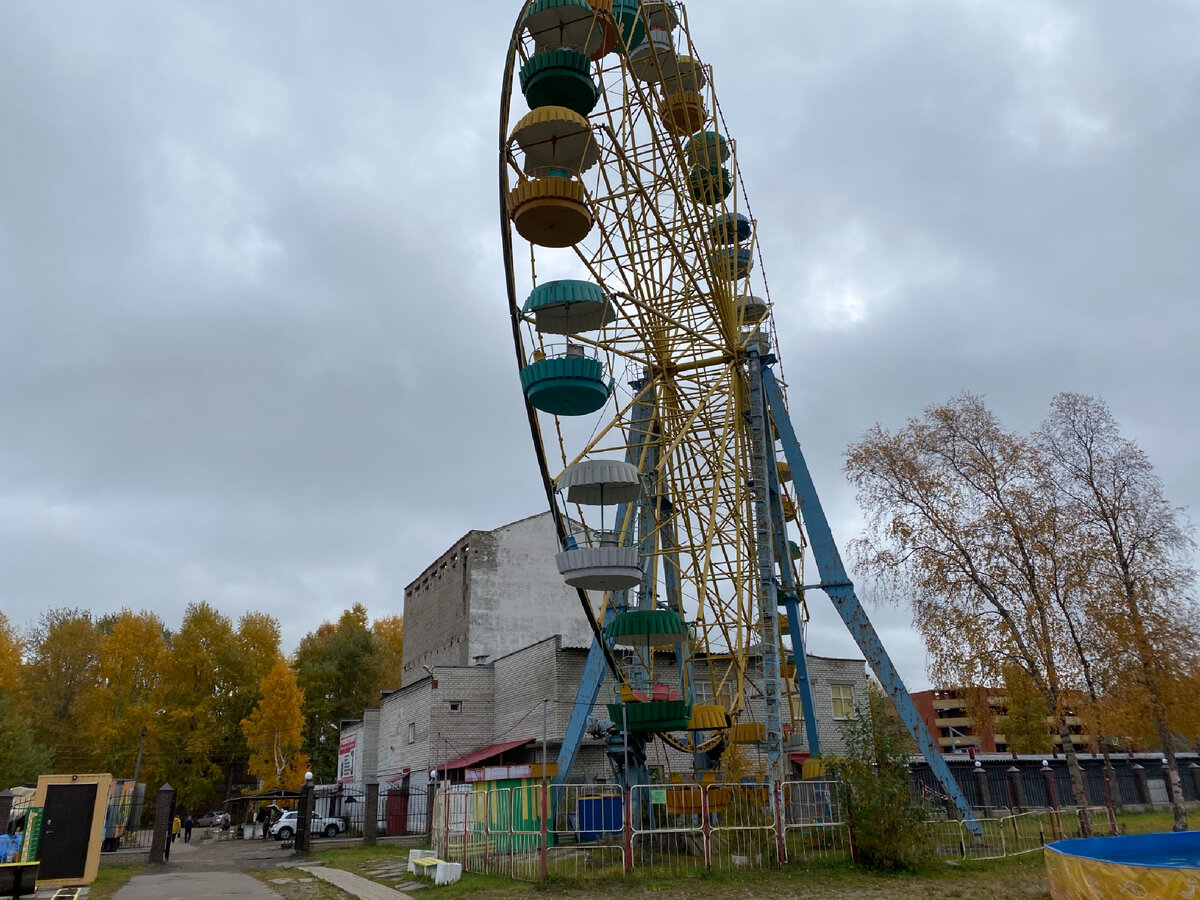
[476,756]
[799,758]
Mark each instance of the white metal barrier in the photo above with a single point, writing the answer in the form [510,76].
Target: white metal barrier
[581,831]
[814,823]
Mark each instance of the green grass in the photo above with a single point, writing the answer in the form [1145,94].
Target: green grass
[351,858]
[1149,822]
[361,859]
[1021,876]
[111,879]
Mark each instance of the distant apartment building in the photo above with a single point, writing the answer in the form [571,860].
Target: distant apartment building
[957,720]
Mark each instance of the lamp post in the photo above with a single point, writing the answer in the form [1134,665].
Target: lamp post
[304,815]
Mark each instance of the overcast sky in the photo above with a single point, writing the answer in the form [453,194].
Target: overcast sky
[254,345]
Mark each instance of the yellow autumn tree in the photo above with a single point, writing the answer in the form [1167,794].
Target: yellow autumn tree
[390,632]
[1024,722]
[274,731]
[962,519]
[1139,552]
[59,686]
[10,656]
[130,655]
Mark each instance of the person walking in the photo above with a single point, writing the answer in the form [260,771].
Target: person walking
[175,826]
[188,824]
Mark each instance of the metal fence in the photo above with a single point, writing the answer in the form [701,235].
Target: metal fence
[127,824]
[598,831]
[586,831]
[1033,782]
[668,829]
[586,836]
[400,810]
[814,822]
[1018,832]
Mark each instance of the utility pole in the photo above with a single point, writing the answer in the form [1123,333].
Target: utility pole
[545,817]
[135,808]
[137,766]
[545,704]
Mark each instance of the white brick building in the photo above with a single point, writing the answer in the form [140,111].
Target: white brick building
[493,636]
[490,594]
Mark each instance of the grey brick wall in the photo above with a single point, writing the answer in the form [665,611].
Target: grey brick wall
[523,680]
[517,596]
[436,607]
[461,710]
[491,594]
[408,706]
[823,673]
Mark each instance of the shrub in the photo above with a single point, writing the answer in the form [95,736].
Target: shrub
[890,830]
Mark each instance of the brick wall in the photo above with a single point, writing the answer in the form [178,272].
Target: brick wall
[523,680]
[517,596]
[461,710]
[491,594]
[367,765]
[436,613]
[823,673]
[407,707]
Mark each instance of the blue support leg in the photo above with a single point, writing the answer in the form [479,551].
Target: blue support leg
[585,701]
[789,598]
[836,584]
[803,684]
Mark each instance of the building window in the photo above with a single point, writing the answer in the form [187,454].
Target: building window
[412,732]
[797,709]
[455,706]
[843,700]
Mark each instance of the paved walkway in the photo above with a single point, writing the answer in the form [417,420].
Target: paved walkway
[190,885]
[208,868]
[363,888]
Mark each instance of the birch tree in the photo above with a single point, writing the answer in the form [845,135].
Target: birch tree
[274,731]
[960,512]
[1138,552]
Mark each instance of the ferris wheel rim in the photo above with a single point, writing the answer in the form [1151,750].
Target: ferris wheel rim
[517,322]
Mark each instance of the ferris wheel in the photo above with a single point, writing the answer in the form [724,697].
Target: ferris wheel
[637,308]
[646,350]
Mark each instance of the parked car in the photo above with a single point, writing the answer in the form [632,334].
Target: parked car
[285,829]
[214,819]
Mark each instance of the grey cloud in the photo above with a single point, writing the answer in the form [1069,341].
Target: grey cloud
[253,331]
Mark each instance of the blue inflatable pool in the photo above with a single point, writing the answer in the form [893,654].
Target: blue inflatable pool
[1140,865]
